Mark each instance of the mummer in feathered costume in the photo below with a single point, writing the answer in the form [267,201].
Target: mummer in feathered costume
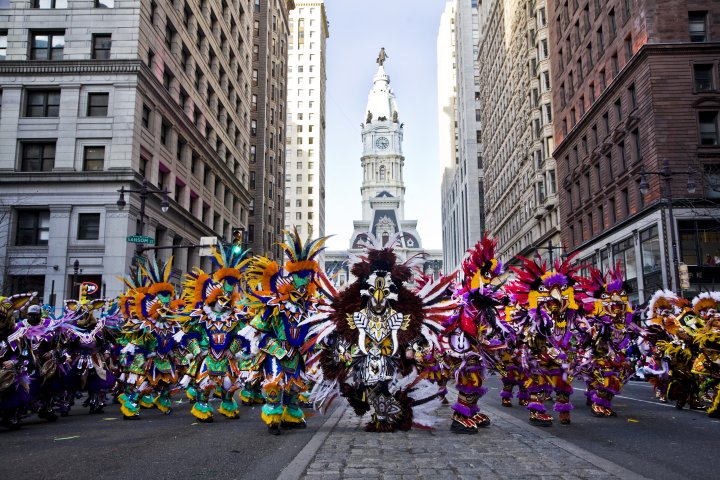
[607,332]
[474,335]
[372,338]
[279,299]
[212,326]
[549,300]
[152,356]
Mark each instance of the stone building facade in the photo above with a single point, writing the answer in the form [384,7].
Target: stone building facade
[97,95]
[267,125]
[305,144]
[517,135]
[637,91]
[463,210]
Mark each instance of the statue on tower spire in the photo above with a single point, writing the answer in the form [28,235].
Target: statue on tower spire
[381,57]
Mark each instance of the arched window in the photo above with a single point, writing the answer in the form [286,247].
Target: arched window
[382,172]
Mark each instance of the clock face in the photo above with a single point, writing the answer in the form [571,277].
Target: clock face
[382,143]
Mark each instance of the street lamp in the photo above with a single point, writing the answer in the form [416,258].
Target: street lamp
[144,191]
[666,173]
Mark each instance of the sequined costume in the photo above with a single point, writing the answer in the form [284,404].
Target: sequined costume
[153,348]
[474,335]
[606,332]
[279,299]
[89,343]
[372,338]
[212,323]
[707,339]
[15,361]
[550,298]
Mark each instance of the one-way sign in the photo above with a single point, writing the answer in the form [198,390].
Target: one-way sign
[140,239]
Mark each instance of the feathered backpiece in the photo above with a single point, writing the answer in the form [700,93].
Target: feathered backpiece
[377,270]
[136,283]
[231,261]
[607,295]
[706,301]
[535,284]
[301,263]
[200,289]
[662,303]
[480,266]
[9,305]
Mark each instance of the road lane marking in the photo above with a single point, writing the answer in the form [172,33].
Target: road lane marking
[67,438]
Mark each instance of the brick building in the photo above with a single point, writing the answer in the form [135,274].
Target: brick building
[636,89]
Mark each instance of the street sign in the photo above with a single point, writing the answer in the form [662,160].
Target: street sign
[140,239]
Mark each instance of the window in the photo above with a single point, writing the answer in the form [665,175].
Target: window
[628,48]
[298,215]
[49,4]
[88,226]
[47,46]
[93,159]
[3,45]
[637,142]
[632,95]
[104,3]
[625,197]
[146,116]
[98,104]
[612,22]
[164,130]
[37,157]
[43,103]
[600,39]
[704,80]
[32,227]
[708,128]
[698,26]
[651,260]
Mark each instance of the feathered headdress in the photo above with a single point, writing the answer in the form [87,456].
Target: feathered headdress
[706,300]
[231,261]
[535,281]
[480,265]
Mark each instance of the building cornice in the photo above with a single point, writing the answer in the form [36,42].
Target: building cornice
[647,50]
[68,67]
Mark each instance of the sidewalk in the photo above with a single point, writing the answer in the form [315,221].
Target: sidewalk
[507,449]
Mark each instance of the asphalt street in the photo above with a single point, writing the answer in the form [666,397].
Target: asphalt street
[156,447]
[650,438]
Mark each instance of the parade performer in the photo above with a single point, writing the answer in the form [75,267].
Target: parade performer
[707,364]
[89,342]
[372,339]
[661,325]
[153,341]
[15,361]
[212,324]
[512,360]
[475,333]
[607,332]
[280,298]
[550,299]
[52,375]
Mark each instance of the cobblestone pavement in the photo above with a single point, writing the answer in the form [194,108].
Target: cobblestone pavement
[507,449]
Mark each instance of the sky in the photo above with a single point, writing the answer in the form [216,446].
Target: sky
[408,31]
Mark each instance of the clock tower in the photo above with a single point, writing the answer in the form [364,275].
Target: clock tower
[382,161]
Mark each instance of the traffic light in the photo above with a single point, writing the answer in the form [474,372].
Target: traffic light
[237,239]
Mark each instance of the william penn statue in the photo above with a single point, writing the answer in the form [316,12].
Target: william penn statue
[381,57]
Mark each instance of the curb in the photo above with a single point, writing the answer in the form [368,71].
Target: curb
[295,469]
[603,464]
